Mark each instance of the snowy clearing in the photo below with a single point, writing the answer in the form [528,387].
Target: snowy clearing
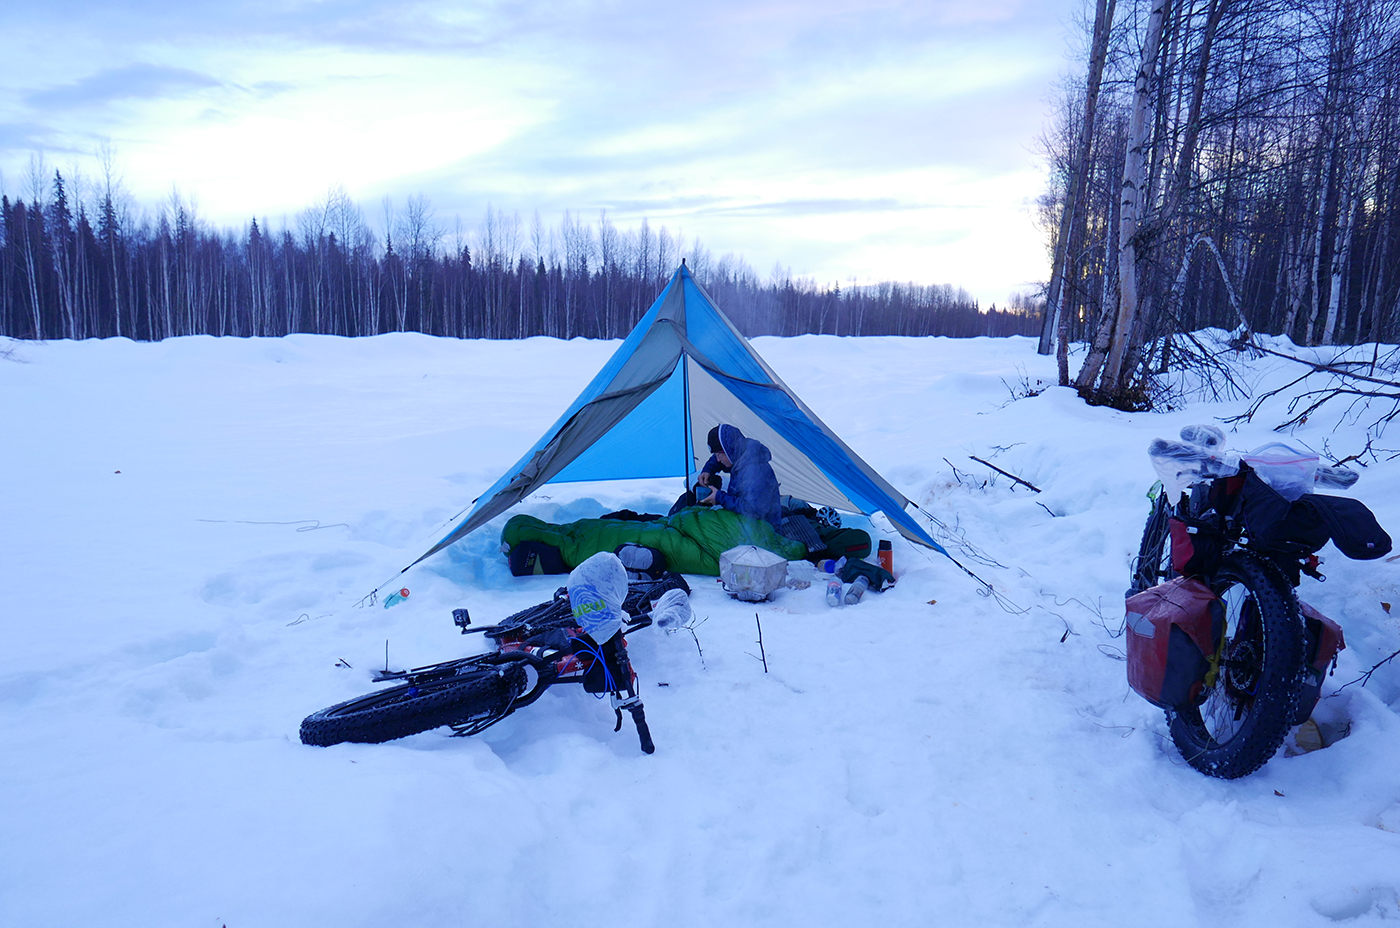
[189,524]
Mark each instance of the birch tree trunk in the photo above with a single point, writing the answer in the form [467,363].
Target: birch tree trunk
[1134,206]
[1079,169]
[1098,351]
[1341,260]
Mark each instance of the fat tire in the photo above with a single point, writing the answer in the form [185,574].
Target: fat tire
[1153,563]
[407,709]
[1274,676]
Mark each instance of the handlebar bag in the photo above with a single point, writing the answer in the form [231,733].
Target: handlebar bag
[1276,524]
[1172,631]
[1198,534]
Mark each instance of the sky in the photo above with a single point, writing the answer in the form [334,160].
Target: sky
[844,141]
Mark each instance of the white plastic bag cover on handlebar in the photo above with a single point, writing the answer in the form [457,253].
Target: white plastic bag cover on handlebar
[597,590]
[1201,456]
[671,609]
[1180,465]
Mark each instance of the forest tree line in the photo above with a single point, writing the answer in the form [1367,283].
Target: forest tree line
[90,266]
[1231,163]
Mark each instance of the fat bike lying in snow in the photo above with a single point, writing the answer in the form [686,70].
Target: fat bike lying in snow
[1216,634]
[535,649]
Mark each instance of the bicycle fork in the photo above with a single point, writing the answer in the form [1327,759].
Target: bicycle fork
[632,702]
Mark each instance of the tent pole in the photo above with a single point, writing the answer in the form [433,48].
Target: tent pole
[685,421]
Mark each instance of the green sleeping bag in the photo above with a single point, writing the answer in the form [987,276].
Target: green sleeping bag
[692,539]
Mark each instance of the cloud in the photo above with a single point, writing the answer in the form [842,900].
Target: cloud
[21,136]
[822,133]
[828,207]
[134,81]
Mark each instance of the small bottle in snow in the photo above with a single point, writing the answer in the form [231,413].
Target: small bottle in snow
[393,599]
[829,566]
[857,590]
[886,557]
[833,592]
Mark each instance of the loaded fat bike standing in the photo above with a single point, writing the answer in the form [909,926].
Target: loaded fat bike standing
[1215,633]
[553,642]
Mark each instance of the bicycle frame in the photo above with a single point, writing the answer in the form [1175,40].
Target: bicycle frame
[517,640]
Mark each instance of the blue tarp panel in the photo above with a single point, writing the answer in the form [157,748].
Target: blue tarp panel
[595,388]
[650,442]
[712,335]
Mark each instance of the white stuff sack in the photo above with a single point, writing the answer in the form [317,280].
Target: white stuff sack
[750,573]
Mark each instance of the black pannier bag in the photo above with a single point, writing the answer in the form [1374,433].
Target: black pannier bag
[842,542]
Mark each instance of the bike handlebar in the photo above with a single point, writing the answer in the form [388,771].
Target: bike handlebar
[1181,464]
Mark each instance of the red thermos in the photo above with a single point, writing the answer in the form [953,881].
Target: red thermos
[886,556]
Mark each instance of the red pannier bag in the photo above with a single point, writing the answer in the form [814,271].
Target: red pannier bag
[1172,632]
[1324,639]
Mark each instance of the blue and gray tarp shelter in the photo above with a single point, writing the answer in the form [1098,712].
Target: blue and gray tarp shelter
[684,369]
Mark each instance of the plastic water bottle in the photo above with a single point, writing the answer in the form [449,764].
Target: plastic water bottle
[393,599]
[829,566]
[857,590]
[833,592]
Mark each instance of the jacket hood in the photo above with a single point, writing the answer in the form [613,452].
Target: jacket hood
[736,446]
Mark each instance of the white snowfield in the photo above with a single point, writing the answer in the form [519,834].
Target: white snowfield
[188,525]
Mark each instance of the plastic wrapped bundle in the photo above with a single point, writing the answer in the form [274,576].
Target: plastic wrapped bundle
[1180,465]
[1201,455]
[1290,471]
[597,590]
[750,573]
[671,610]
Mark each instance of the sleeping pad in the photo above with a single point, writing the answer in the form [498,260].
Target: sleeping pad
[692,539]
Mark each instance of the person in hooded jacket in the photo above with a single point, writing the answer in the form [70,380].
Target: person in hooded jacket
[753,487]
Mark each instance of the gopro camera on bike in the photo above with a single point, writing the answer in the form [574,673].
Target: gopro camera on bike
[461,618]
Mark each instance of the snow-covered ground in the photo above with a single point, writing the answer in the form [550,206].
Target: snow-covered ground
[188,526]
